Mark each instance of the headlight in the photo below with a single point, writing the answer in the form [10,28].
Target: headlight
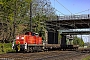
[17,37]
[22,37]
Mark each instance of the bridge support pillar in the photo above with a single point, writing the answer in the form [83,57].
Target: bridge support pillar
[53,37]
[63,41]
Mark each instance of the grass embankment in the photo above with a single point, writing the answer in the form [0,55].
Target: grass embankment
[87,58]
[5,48]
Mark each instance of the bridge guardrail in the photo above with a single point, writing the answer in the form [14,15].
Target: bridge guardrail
[71,17]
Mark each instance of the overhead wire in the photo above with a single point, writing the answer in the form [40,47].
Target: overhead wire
[82,11]
[64,7]
[58,10]
[69,10]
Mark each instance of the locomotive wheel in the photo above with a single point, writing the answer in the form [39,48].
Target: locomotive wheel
[16,50]
[28,49]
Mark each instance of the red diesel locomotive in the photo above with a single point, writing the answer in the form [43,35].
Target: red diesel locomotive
[28,42]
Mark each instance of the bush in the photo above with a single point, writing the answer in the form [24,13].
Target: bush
[5,48]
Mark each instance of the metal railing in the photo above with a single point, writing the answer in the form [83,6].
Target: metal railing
[73,17]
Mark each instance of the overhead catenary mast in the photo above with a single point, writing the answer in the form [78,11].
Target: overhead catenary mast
[31,16]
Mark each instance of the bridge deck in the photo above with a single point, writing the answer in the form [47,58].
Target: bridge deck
[69,23]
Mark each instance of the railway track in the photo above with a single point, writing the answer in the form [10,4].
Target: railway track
[51,55]
[64,56]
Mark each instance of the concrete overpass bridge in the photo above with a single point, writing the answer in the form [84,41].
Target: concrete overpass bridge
[68,25]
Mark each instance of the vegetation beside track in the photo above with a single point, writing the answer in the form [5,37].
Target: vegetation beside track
[5,48]
[87,58]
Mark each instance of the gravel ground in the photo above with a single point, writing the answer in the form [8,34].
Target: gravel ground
[51,55]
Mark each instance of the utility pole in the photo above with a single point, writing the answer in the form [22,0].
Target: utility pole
[31,16]
[14,22]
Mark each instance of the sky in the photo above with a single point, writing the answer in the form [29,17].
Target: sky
[72,7]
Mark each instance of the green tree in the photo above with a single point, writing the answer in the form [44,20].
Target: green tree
[13,14]
[16,14]
[78,41]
